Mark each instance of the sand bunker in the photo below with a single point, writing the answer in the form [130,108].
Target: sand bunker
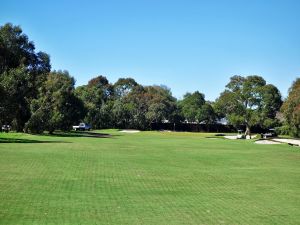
[231,137]
[130,131]
[235,137]
[267,142]
[288,141]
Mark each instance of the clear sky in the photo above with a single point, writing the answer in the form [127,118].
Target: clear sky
[186,45]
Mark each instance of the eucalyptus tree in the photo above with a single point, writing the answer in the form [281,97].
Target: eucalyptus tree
[195,109]
[191,104]
[97,96]
[161,104]
[124,86]
[291,109]
[56,107]
[22,72]
[249,101]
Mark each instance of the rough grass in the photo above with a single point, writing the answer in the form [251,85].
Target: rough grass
[146,178]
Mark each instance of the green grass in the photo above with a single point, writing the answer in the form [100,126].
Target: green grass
[146,178]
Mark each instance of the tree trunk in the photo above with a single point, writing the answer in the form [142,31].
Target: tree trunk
[248,131]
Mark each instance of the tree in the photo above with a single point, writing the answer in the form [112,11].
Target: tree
[145,105]
[14,99]
[270,105]
[206,114]
[123,114]
[95,96]
[291,109]
[101,83]
[17,51]
[135,104]
[57,107]
[160,102]
[195,109]
[106,114]
[124,86]
[249,101]
[22,72]
[191,105]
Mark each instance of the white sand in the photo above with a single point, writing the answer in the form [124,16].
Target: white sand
[288,141]
[267,142]
[235,137]
[130,131]
[231,137]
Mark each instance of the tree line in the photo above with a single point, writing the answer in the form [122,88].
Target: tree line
[35,99]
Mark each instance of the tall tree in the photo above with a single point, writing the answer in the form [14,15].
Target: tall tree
[161,104]
[124,86]
[249,101]
[191,105]
[17,51]
[22,71]
[95,95]
[57,106]
[135,103]
[291,109]
[206,114]
[101,83]
[15,99]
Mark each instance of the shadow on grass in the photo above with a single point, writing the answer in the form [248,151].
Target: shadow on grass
[215,138]
[27,141]
[79,134]
[56,134]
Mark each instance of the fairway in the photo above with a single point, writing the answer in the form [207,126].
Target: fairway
[146,178]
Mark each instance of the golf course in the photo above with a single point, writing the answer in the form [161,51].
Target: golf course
[111,177]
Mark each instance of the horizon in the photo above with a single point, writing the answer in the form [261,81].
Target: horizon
[187,46]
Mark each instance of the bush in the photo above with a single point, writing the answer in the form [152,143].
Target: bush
[34,125]
[283,130]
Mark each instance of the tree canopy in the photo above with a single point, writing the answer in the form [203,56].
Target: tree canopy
[195,109]
[56,107]
[38,99]
[291,109]
[249,101]
[22,71]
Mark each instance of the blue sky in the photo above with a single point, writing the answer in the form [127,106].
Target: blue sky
[186,45]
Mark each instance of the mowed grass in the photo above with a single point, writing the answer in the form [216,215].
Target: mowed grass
[146,178]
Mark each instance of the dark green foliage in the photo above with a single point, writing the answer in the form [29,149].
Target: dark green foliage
[283,130]
[30,94]
[161,103]
[249,101]
[15,97]
[270,105]
[194,108]
[207,114]
[95,96]
[57,106]
[22,71]
[129,105]
[136,107]
[291,109]
[191,105]
[15,48]
[124,86]
[149,104]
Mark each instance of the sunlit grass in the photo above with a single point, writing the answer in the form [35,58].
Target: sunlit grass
[146,178]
